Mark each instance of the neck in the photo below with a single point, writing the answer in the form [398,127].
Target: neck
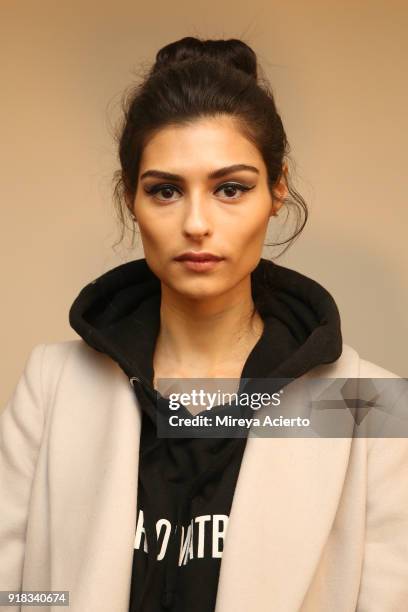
[204,337]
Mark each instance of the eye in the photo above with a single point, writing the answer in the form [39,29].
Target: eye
[228,187]
[155,189]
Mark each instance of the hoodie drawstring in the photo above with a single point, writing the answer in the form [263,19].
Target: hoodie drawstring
[172,566]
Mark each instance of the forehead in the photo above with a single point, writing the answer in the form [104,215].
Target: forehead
[204,143]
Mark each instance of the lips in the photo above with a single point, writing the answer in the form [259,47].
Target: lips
[196,256]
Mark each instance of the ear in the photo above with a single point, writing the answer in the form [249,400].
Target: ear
[130,206]
[280,190]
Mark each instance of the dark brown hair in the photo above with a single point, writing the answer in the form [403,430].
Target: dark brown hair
[190,79]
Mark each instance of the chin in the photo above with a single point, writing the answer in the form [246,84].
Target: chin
[197,288]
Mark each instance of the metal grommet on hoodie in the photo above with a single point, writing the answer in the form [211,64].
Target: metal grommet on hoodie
[134,379]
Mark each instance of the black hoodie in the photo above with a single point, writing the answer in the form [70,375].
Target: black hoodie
[186,485]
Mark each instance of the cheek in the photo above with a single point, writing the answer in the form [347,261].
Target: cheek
[153,228]
[249,229]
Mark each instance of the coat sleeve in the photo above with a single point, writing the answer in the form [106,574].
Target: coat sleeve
[384,580]
[21,427]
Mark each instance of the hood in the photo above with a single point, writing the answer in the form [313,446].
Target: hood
[119,314]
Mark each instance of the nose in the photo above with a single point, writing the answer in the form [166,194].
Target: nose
[196,219]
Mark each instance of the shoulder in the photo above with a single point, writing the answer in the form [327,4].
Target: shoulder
[368,369]
[351,364]
[54,355]
[386,421]
[68,363]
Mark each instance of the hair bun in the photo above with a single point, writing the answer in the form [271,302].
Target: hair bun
[232,52]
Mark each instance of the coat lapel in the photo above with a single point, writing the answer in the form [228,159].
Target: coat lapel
[283,508]
[93,475]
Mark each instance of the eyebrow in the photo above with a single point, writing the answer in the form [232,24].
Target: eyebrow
[169,176]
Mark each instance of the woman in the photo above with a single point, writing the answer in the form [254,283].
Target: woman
[94,501]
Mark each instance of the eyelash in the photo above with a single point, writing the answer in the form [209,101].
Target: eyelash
[157,188]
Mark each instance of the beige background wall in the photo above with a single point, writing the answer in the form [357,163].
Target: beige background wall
[338,70]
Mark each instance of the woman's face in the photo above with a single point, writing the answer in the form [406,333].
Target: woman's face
[226,215]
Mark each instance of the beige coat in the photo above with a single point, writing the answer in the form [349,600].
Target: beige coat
[316,525]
